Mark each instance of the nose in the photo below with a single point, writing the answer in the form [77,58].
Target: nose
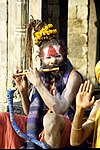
[53,60]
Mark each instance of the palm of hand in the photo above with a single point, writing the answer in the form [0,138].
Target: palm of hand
[33,77]
[21,83]
[83,99]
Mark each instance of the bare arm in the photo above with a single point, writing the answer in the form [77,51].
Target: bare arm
[72,87]
[22,86]
[25,102]
[80,132]
[60,104]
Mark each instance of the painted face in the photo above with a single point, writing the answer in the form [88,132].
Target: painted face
[52,55]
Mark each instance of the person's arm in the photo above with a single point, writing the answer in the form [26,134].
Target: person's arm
[61,103]
[80,132]
[25,102]
[52,103]
[71,89]
[22,86]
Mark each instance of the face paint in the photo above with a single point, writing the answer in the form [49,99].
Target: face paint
[52,55]
[51,51]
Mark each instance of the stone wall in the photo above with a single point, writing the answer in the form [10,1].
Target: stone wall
[77,34]
[3,51]
[16,14]
[82,38]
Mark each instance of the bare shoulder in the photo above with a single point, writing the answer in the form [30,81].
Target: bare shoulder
[75,75]
[95,109]
[88,126]
[74,82]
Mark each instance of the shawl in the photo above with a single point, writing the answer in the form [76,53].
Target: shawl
[38,108]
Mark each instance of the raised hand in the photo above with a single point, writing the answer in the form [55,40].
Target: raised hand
[84,97]
[33,76]
[21,83]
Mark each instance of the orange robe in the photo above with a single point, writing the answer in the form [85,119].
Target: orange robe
[8,137]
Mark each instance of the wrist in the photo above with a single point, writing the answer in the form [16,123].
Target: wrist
[38,84]
[80,110]
[23,92]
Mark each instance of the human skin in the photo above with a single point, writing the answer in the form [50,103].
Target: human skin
[54,122]
[84,99]
[59,105]
[52,55]
[22,86]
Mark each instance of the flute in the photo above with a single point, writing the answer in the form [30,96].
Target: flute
[40,70]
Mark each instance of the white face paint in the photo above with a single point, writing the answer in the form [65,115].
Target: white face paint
[52,55]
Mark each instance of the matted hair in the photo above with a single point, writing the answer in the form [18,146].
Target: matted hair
[44,34]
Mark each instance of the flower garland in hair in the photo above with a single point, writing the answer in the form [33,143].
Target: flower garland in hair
[46,33]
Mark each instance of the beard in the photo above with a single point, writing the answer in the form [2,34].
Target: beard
[49,66]
[43,66]
[55,74]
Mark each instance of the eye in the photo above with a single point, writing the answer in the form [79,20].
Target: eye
[48,57]
[58,56]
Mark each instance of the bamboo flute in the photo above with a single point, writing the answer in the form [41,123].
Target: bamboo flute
[41,70]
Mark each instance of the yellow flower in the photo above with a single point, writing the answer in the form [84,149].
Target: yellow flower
[50,25]
[36,33]
[54,31]
[45,31]
[41,33]
[39,37]
[36,42]
[46,28]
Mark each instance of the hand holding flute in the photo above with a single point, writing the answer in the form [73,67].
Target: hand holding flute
[41,70]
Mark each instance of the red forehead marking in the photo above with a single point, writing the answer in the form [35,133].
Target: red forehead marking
[52,51]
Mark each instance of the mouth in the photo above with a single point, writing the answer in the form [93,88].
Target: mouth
[53,66]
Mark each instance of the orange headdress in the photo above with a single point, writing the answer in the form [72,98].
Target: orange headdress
[97,71]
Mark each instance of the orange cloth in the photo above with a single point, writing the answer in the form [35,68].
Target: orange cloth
[8,137]
[65,136]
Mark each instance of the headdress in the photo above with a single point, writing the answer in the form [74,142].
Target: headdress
[97,71]
[46,33]
[42,32]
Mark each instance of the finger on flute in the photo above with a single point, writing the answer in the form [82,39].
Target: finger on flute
[20,74]
[41,70]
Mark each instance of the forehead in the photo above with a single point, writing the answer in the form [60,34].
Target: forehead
[52,49]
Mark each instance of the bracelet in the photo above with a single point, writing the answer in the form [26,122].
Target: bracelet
[76,128]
